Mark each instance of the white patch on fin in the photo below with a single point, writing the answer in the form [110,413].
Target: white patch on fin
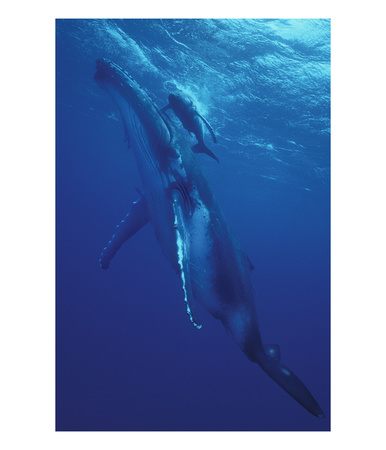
[181,251]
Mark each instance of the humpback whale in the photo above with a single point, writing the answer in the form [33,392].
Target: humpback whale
[190,228]
[191,120]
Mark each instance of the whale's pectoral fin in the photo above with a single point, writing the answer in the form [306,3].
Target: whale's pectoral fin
[137,217]
[202,148]
[285,378]
[183,256]
[210,129]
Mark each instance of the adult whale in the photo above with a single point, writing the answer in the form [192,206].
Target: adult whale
[191,120]
[190,227]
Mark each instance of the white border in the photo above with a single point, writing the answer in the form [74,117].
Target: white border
[27,224]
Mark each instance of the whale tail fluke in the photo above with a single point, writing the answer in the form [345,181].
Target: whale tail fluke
[285,378]
[202,148]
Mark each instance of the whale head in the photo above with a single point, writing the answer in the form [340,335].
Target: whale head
[147,130]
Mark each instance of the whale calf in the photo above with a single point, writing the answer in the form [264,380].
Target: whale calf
[190,228]
[184,108]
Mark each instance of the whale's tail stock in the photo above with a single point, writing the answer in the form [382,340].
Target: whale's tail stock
[285,378]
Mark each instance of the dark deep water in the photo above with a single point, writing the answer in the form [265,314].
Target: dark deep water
[127,357]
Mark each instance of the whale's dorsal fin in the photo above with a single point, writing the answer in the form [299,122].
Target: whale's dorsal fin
[272,351]
[136,218]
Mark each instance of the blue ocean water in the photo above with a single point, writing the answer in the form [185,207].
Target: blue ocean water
[127,357]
